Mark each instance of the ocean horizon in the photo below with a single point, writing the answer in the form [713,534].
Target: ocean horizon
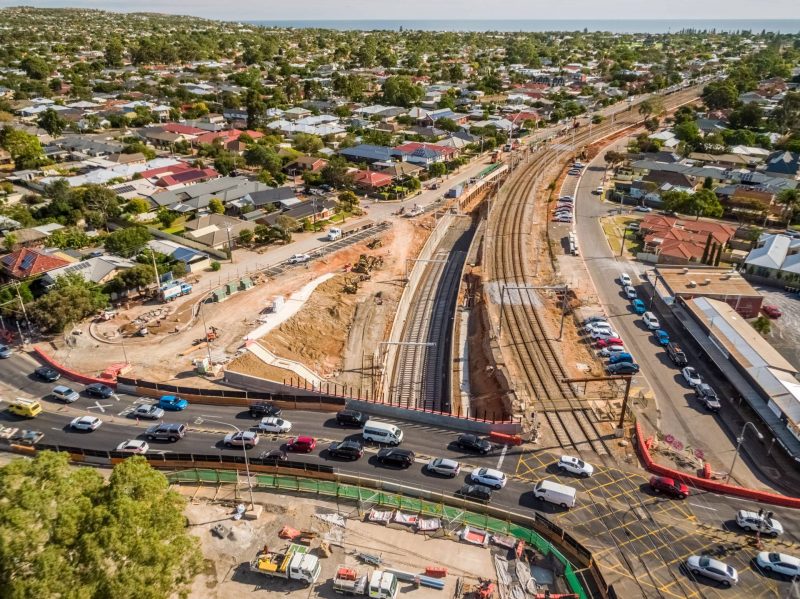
[540,25]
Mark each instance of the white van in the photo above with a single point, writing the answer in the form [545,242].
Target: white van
[546,490]
[382,432]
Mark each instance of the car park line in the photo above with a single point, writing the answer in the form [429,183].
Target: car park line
[99,406]
[502,457]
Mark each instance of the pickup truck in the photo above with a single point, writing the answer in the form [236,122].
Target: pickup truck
[292,563]
[171,292]
[349,582]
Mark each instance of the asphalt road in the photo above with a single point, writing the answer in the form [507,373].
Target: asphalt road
[639,538]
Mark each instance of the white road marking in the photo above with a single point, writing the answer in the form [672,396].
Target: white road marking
[705,507]
[99,406]
[115,396]
[502,457]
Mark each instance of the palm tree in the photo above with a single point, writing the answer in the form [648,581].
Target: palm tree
[790,199]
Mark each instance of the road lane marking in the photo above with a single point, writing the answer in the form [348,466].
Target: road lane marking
[705,507]
[99,406]
[502,456]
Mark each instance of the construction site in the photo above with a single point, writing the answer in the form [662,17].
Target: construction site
[304,547]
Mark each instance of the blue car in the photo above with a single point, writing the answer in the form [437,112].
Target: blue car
[620,357]
[638,306]
[661,336]
[172,403]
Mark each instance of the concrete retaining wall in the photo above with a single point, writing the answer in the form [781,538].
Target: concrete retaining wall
[435,418]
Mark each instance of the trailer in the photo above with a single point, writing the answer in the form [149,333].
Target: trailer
[291,563]
[455,192]
[345,230]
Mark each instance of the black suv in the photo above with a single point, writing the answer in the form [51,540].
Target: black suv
[263,408]
[346,450]
[479,493]
[351,418]
[676,354]
[166,432]
[474,443]
[708,396]
[399,458]
[99,390]
[51,375]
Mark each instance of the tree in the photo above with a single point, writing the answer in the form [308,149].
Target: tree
[790,199]
[246,236]
[762,325]
[437,169]
[113,52]
[137,206]
[127,242]
[25,148]
[720,94]
[140,275]
[687,132]
[256,109]
[307,143]
[70,300]
[262,234]
[36,67]
[748,116]
[166,216]
[446,124]
[69,238]
[226,162]
[264,157]
[399,90]
[10,242]
[335,173]
[68,533]
[613,158]
[216,206]
[51,122]
[348,201]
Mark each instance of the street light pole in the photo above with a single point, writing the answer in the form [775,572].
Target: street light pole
[739,440]
[244,450]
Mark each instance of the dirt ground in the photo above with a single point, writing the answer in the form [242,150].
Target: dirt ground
[336,333]
[226,574]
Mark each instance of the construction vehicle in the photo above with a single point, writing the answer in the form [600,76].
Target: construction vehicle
[350,286]
[174,290]
[375,243]
[383,585]
[366,264]
[292,563]
[349,582]
[27,408]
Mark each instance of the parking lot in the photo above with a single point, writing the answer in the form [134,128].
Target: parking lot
[642,539]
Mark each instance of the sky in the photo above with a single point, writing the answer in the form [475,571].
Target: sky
[242,10]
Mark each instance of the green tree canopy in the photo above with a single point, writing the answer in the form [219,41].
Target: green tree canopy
[399,90]
[216,206]
[720,94]
[70,300]
[335,173]
[51,122]
[127,242]
[68,533]
[25,148]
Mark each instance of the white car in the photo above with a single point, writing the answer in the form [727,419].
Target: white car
[612,349]
[754,522]
[298,258]
[568,463]
[271,424]
[148,411]
[630,293]
[691,377]
[134,446]
[246,439]
[489,477]
[780,563]
[651,321]
[643,209]
[599,190]
[625,280]
[562,218]
[604,334]
[713,569]
[86,423]
[596,326]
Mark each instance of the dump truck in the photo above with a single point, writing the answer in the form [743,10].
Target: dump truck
[175,290]
[292,563]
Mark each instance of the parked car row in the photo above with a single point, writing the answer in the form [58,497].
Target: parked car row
[564,210]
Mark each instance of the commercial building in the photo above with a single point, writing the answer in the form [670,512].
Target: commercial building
[762,376]
[721,284]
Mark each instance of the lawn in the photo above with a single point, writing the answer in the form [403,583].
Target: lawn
[614,227]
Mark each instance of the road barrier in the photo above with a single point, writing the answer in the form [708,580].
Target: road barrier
[643,448]
[70,374]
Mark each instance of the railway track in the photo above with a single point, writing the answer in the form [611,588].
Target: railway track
[421,377]
[541,371]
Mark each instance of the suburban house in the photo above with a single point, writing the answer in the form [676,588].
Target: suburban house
[99,269]
[186,177]
[783,164]
[398,170]
[215,230]
[28,262]
[196,197]
[676,241]
[317,209]
[193,260]
[776,257]
[425,154]
[280,197]
[368,153]
[371,180]
[305,164]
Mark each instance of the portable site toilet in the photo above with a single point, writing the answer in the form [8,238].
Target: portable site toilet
[231,288]
[219,295]
[277,303]
[245,284]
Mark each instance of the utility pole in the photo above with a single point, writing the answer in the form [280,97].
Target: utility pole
[22,305]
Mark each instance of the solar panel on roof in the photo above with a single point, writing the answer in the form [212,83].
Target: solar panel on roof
[27,262]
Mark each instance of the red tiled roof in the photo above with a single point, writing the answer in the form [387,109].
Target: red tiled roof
[372,179]
[411,146]
[188,176]
[162,170]
[26,262]
[182,129]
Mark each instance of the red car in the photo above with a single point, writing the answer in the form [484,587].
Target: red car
[771,311]
[302,444]
[610,341]
[669,486]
